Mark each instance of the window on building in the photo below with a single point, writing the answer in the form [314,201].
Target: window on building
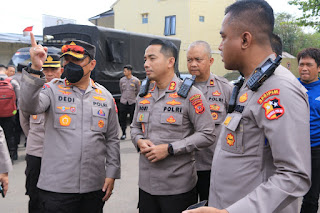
[201,18]
[145,18]
[170,25]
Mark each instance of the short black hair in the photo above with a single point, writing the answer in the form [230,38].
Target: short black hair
[168,48]
[276,44]
[3,66]
[128,66]
[310,52]
[255,16]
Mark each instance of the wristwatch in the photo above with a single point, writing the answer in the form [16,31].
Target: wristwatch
[36,72]
[170,149]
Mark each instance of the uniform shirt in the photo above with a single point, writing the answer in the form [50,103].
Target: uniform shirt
[33,128]
[262,160]
[314,101]
[81,144]
[129,89]
[217,92]
[5,160]
[168,118]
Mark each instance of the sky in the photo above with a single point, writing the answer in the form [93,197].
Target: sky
[16,15]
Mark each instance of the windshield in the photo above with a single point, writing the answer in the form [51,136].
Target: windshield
[21,57]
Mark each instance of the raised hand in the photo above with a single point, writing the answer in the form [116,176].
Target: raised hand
[38,54]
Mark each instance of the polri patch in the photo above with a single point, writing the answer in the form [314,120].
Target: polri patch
[268,94]
[273,109]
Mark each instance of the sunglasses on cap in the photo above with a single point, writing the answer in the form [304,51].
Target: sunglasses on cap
[75,49]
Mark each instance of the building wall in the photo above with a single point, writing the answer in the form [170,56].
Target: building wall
[104,22]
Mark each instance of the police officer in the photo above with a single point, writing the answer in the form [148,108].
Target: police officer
[166,129]
[81,145]
[33,127]
[217,92]
[5,162]
[129,87]
[262,159]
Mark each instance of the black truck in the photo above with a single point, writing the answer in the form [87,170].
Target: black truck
[115,48]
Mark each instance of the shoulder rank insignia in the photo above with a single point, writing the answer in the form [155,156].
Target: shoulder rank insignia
[148,95]
[172,85]
[211,82]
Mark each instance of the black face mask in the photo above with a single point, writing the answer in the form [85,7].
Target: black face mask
[73,72]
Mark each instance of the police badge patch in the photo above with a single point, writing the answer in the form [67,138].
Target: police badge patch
[273,109]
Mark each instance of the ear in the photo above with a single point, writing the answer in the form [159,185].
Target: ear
[171,62]
[211,61]
[246,40]
[92,64]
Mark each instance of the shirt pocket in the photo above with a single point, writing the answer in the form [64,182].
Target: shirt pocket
[65,116]
[99,119]
[35,119]
[232,134]
[172,126]
[218,113]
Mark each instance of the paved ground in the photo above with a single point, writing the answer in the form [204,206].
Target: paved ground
[123,200]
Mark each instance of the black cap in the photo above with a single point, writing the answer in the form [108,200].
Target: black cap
[89,49]
[52,61]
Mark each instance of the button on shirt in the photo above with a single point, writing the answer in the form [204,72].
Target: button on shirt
[262,159]
[81,144]
[129,89]
[168,118]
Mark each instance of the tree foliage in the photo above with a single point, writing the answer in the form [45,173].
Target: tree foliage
[294,39]
[311,12]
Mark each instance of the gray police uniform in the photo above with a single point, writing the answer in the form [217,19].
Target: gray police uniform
[5,161]
[262,159]
[217,91]
[33,128]
[81,145]
[129,89]
[168,118]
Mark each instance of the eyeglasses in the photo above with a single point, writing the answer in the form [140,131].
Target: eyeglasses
[73,48]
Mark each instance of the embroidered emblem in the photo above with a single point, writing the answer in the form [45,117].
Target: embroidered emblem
[63,108]
[101,123]
[34,117]
[64,88]
[172,85]
[214,115]
[66,82]
[141,117]
[273,109]
[65,92]
[145,101]
[72,109]
[227,120]
[174,102]
[214,107]
[99,98]
[143,127]
[174,95]
[216,93]
[171,119]
[243,98]
[45,86]
[211,82]
[194,97]
[65,120]
[148,95]
[101,112]
[268,94]
[230,139]
[199,108]
[98,91]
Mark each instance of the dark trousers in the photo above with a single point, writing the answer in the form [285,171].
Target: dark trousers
[32,175]
[124,110]
[203,184]
[166,203]
[91,202]
[8,125]
[310,200]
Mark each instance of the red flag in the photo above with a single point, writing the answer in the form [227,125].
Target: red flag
[27,30]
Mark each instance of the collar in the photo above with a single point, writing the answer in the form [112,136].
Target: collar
[211,80]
